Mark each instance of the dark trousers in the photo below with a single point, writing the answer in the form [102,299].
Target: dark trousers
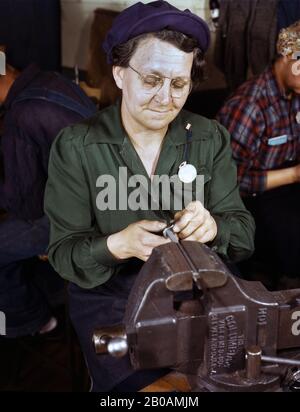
[277,217]
[102,306]
[23,276]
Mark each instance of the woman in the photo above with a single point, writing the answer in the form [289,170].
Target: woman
[99,240]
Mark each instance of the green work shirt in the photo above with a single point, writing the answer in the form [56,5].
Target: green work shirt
[99,146]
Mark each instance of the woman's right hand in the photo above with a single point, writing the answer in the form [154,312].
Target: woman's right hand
[137,240]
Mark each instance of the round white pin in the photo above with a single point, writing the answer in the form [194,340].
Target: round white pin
[187,173]
[298,117]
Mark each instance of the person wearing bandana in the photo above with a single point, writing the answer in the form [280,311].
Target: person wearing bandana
[156,52]
[263,118]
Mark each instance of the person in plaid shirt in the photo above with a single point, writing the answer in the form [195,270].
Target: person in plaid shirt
[263,117]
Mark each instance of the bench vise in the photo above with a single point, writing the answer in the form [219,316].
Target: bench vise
[187,312]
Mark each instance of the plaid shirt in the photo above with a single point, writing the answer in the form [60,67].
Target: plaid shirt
[256,113]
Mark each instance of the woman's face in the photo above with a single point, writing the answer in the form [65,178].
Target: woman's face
[152,108]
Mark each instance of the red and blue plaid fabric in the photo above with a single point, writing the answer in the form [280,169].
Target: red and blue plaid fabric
[256,113]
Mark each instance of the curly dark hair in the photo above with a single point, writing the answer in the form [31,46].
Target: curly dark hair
[123,52]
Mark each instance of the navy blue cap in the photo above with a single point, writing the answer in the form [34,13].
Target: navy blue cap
[152,17]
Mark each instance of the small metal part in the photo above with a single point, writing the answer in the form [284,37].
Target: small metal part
[103,339]
[253,362]
[294,383]
[280,361]
[117,347]
[168,233]
[100,342]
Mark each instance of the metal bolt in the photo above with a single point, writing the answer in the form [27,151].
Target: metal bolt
[253,362]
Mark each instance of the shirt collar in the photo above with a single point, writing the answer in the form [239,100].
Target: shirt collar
[21,82]
[109,128]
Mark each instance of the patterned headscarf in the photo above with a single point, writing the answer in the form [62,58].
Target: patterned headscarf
[289,40]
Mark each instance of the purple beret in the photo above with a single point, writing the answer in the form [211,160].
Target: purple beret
[152,17]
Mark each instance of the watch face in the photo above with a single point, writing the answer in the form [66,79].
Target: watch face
[298,117]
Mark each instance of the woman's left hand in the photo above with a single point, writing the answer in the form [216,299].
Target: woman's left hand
[195,223]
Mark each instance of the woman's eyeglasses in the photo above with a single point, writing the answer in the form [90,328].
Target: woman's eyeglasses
[152,83]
